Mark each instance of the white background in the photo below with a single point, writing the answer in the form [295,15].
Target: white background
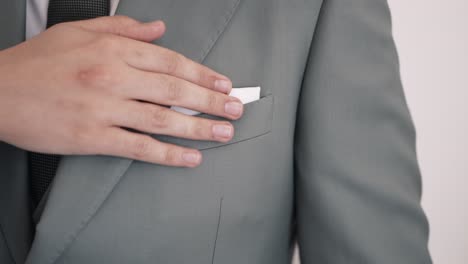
[432,42]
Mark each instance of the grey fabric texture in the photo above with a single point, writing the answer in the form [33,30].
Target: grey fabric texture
[5,254]
[358,183]
[15,217]
[326,156]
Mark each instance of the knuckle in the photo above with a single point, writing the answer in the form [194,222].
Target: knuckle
[212,101]
[170,156]
[159,118]
[173,90]
[203,77]
[199,129]
[184,130]
[95,76]
[141,147]
[174,63]
[201,73]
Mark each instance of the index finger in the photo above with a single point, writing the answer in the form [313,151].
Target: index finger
[153,58]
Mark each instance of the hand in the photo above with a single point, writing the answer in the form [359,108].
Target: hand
[75,88]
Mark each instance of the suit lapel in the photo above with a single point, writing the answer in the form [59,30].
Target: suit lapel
[12,22]
[192,26]
[83,183]
[15,218]
[15,223]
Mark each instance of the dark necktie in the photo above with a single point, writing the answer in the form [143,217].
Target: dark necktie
[42,167]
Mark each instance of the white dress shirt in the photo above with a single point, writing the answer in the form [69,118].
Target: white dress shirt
[36,15]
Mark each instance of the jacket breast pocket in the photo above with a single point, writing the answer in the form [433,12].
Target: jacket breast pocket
[255,121]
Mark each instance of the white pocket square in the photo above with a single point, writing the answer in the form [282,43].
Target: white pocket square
[244,94]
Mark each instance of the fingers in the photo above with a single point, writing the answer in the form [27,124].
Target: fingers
[167,90]
[124,26]
[152,58]
[122,143]
[156,119]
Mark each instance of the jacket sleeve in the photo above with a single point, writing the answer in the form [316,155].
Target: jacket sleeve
[357,178]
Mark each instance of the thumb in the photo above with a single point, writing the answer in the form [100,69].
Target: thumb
[124,26]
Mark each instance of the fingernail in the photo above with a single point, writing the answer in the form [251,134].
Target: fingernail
[157,24]
[223,86]
[233,108]
[190,157]
[223,131]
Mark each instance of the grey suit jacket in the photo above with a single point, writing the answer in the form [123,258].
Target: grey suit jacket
[326,157]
